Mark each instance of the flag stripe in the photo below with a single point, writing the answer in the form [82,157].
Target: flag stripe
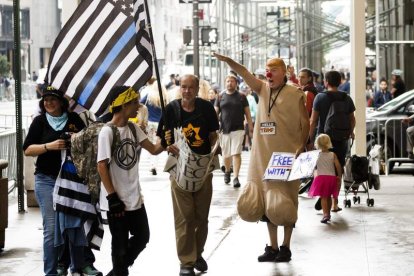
[101,57]
[93,48]
[106,63]
[87,61]
[106,44]
[142,70]
[70,36]
[63,33]
[126,57]
[79,45]
[112,79]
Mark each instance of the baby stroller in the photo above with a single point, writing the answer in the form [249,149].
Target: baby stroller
[361,171]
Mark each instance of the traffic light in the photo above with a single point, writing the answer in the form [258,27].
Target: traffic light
[209,35]
[285,12]
[187,36]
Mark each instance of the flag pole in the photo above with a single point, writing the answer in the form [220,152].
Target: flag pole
[154,54]
[18,92]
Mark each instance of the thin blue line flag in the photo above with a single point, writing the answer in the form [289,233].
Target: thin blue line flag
[105,43]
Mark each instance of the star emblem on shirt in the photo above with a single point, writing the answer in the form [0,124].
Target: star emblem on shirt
[192,136]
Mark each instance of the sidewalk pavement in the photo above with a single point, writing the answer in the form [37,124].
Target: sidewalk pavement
[360,240]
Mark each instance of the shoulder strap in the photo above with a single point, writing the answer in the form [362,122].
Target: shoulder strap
[133,130]
[116,136]
[177,110]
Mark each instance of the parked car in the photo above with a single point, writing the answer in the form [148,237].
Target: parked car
[393,111]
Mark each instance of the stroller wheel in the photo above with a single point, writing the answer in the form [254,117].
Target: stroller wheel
[354,199]
[371,202]
[359,199]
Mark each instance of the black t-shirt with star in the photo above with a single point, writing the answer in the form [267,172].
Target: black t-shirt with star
[196,125]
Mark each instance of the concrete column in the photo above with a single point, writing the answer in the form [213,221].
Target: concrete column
[358,73]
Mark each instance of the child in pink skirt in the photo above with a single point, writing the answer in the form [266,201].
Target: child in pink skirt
[327,176]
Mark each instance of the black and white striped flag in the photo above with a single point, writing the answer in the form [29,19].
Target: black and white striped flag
[104,44]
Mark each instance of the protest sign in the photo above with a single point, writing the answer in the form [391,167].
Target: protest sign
[284,166]
[279,166]
[304,165]
[190,169]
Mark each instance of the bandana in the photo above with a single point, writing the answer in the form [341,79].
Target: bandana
[123,98]
[57,123]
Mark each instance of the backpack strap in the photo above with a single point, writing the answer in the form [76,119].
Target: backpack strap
[116,136]
[134,131]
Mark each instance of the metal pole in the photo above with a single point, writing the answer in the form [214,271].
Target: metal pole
[377,46]
[18,102]
[298,36]
[196,54]
[154,56]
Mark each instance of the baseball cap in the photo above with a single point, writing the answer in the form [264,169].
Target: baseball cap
[397,72]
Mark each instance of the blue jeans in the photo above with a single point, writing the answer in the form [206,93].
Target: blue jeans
[65,256]
[44,186]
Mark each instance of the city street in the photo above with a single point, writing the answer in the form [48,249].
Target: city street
[360,240]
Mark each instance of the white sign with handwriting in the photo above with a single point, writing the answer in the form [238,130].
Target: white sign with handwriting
[284,166]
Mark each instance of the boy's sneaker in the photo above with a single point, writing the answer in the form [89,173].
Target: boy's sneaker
[236,182]
[227,177]
[90,270]
[61,270]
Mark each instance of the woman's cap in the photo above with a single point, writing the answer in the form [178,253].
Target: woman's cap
[49,90]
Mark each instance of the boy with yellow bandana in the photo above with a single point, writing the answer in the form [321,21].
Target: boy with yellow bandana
[122,196]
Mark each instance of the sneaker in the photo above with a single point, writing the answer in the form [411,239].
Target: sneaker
[284,255]
[187,271]
[318,205]
[61,270]
[201,264]
[227,177]
[236,182]
[269,255]
[154,171]
[90,270]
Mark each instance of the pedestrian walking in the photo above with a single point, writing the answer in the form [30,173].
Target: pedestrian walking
[344,121]
[282,125]
[121,194]
[152,101]
[232,108]
[44,141]
[199,124]
[326,181]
